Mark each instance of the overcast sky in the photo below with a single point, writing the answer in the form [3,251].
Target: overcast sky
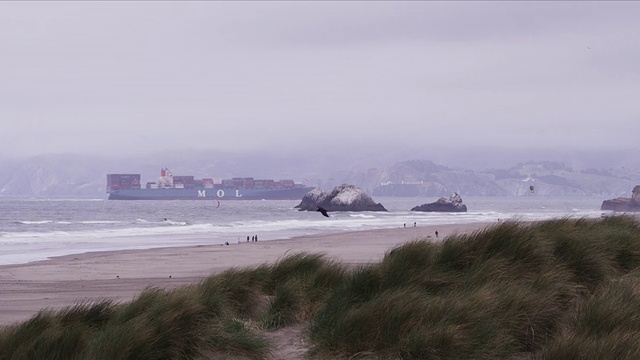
[119,77]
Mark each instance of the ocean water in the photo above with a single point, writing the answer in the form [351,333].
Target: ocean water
[37,229]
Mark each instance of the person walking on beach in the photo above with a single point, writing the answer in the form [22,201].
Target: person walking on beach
[256,238]
[436,234]
[247,238]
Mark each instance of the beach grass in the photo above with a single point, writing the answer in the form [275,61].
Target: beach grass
[565,288]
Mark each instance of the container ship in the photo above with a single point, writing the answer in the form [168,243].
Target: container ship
[170,187]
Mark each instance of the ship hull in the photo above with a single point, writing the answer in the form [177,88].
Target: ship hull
[209,194]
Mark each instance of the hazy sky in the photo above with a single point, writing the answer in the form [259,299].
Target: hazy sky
[118,77]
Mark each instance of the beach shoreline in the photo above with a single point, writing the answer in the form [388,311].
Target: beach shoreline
[121,275]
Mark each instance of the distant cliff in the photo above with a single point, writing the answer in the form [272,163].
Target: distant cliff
[54,176]
[426,179]
[85,176]
[623,204]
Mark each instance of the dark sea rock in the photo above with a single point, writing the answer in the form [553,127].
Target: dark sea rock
[623,204]
[635,198]
[451,204]
[343,198]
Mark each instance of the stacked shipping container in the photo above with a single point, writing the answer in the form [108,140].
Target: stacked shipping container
[123,181]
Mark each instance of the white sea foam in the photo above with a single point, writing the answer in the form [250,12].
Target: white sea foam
[100,222]
[364,216]
[171,222]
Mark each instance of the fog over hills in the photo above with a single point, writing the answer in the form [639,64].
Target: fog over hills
[405,172]
[323,92]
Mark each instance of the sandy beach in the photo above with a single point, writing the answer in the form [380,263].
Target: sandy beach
[121,275]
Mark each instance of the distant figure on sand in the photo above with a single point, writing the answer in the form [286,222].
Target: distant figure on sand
[414,224]
[247,238]
[436,233]
[256,238]
[405,224]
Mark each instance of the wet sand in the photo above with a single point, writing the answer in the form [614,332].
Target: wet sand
[121,275]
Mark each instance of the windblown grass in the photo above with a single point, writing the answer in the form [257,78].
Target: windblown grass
[222,316]
[507,291]
[564,288]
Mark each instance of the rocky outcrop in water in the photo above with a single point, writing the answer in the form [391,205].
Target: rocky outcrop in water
[343,198]
[451,204]
[623,204]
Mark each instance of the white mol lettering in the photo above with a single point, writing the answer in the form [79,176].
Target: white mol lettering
[202,193]
[220,193]
[238,193]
